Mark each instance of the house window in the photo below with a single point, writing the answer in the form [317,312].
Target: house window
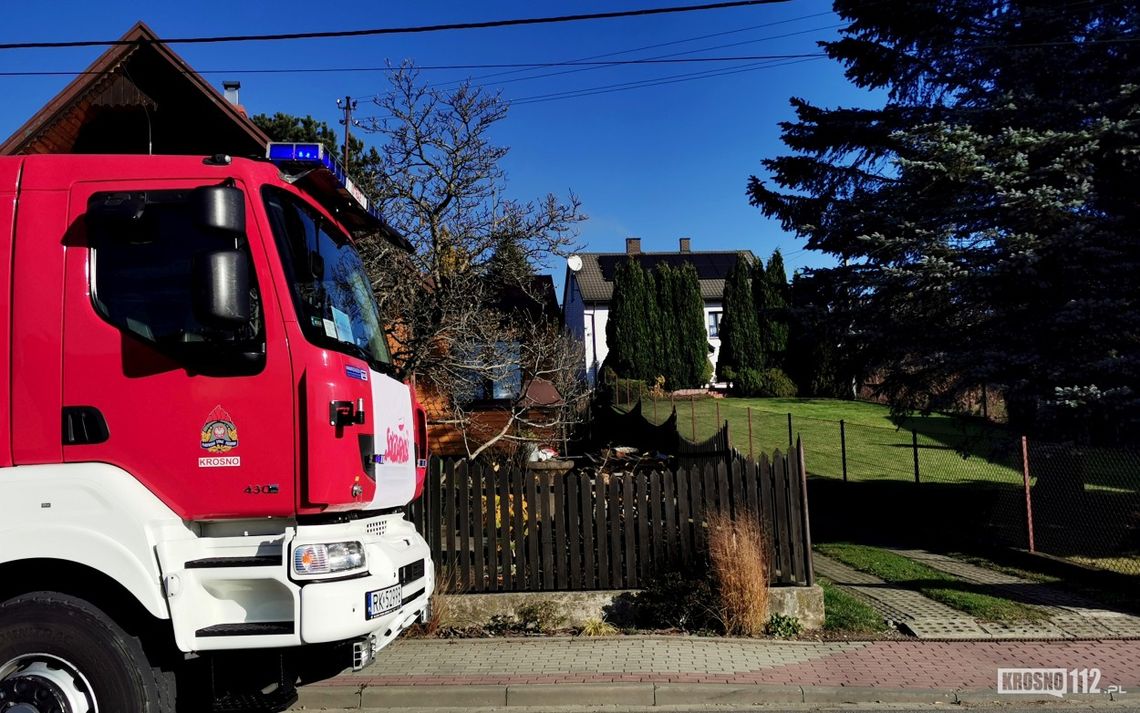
[498,376]
[714,324]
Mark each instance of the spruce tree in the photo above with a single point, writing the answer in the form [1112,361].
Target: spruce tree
[739,331]
[692,339]
[770,292]
[984,216]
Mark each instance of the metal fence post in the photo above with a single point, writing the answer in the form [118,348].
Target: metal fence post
[914,445]
[1028,498]
[791,443]
[718,413]
[843,447]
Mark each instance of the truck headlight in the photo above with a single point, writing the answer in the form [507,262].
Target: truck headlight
[328,558]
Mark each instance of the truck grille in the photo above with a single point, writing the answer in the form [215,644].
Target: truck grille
[377,528]
[412,572]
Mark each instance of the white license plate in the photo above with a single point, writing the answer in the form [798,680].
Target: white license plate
[382,601]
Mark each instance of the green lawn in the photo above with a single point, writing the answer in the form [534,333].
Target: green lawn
[931,583]
[845,613]
[949,449]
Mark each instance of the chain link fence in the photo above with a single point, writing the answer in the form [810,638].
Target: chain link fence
[937,481]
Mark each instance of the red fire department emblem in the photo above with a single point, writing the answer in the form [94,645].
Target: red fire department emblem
[219,435]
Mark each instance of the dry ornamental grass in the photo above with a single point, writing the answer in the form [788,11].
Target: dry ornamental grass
[739,560]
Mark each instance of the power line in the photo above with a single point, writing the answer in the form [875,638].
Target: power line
[487,24]
[528,65]
[671,79]
[666,58]
[661,44]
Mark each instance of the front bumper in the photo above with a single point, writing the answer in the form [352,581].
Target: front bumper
[335,610]
[223,595]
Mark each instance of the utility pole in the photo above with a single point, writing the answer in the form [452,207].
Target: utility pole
[347,105]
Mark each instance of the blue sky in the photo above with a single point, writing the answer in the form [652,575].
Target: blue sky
[658,163]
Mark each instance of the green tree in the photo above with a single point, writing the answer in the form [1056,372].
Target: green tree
[770,293]
[691,338]
[629,337]
[654,345]
[740,342]
[984,217]
[363,162]
[668,327]
[815,339]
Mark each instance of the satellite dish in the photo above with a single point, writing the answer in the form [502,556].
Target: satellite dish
[574,262]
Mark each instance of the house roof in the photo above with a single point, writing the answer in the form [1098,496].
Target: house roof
[138,97]
[537,299]
[595,279]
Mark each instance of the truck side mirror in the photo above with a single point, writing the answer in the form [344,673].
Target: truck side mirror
[221,288]
[220,208]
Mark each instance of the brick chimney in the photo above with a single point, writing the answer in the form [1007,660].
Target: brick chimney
[632,246]
[686,245]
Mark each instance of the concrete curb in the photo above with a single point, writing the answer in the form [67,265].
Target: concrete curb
[643,695]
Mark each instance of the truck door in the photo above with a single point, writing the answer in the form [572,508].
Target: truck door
[176,366]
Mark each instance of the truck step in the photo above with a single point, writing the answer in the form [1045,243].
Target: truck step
[262,628]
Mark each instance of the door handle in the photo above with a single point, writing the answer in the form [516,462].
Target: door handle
[345,413]
[84,425]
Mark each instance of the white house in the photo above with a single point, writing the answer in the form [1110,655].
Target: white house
[589,288]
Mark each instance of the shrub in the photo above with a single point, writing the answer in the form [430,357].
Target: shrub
[446,582]
[766,382]
[598,627]
[783,626]
[543,616]
[738,560]
[674,601]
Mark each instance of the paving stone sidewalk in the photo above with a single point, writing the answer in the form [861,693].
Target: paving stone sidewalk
[1071,616]
[416,672]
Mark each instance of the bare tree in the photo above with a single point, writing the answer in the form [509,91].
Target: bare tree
[441,184]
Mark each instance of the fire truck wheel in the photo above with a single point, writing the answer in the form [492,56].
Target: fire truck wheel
[61,653]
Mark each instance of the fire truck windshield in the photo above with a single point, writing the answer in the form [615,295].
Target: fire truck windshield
[331,289]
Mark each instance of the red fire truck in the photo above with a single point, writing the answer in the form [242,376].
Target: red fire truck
[204,454]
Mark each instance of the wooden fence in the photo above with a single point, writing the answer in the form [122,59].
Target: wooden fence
[497,531]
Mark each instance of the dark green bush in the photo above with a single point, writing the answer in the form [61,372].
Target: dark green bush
[674,601]
[766,382]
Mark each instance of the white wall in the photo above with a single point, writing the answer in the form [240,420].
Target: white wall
[594,319]
[572,311]
[714,341]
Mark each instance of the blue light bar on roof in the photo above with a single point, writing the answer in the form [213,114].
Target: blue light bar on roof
[307,156]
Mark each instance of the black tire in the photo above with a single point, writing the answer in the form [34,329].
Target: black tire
[112,661]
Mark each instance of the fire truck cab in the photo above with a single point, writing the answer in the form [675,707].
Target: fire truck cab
[204,452]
